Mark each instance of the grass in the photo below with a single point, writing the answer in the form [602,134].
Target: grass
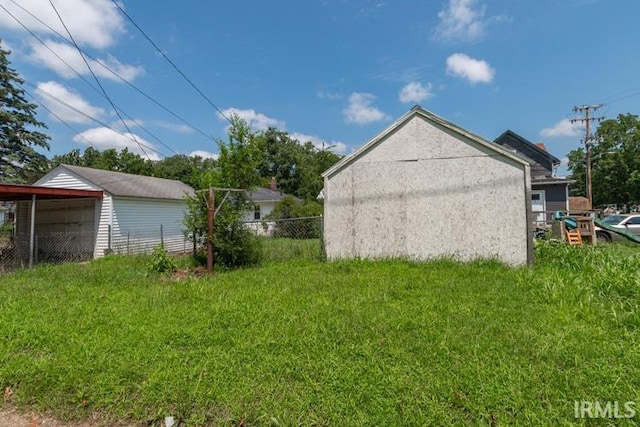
[342,343]
[284,249]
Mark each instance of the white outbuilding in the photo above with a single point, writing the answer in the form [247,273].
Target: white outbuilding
[131,214]
[426,188]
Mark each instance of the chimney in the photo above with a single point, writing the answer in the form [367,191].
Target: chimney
[272,184]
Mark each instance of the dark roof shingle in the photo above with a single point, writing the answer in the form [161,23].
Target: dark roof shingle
[129,185]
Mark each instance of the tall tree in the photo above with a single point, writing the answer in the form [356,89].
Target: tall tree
[237,167]
[20,162]
[297,166]
[615,163]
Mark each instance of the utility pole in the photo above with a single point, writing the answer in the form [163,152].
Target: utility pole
[588,137]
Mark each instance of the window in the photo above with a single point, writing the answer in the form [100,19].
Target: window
[535,196]
[256,212]
[634,221]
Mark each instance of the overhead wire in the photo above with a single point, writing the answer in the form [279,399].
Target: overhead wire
[60,119]
[164,55]
[155,137]
[96,79]
[108,69]
[94,119]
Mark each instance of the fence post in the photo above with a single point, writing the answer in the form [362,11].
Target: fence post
[128,241]
[109,238]
[161,235]
[321,228]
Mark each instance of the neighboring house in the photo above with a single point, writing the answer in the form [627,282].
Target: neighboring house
[426,188]
[132,213]
[264,201]
[549,193]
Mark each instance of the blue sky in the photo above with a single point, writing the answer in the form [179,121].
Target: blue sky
[332,71]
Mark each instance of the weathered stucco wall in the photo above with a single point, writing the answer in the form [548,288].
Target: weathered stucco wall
[426,192]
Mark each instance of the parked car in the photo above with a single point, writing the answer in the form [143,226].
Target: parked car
[624,222]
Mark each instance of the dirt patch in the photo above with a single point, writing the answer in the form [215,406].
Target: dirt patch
[11,418]
[188,273]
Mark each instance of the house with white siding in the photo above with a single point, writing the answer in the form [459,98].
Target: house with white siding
[134,214]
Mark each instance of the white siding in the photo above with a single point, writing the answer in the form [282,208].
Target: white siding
[137,225]
[103,214]
[66,180]
[265,209]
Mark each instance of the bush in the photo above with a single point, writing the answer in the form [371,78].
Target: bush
[161,261]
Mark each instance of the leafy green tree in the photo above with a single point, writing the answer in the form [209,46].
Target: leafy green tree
[615,163]
[297,166]
[110,159]
[187,169]
[237,167]
[20,162]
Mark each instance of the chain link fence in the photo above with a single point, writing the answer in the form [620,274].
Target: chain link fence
[77,246]
[291,238]
[142,241]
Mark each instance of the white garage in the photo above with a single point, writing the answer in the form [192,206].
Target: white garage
[134,214]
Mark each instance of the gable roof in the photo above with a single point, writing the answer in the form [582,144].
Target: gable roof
[418,111]
[539,148]
[262,194]
[128,185]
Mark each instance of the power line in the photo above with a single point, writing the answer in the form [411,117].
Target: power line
[100,122]
[96,79]
[104,66]
[588,137]
[164,55]
[84,79]
[41,104]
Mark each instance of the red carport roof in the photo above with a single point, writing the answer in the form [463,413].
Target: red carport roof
[15,192]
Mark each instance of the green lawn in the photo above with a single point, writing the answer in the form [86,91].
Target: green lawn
[343,344]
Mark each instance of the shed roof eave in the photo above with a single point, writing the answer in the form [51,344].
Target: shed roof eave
[419,111]
[15,192]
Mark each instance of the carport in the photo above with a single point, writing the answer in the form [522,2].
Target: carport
[66,199]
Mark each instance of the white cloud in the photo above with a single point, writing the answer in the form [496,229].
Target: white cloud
[334,146]
[474,70]
[174,127]
[44,56]
[104,138]
[415,92]
[95,23]
[129,123]
[361,111]
[204,154]
[461,21]
[54,96]
[257,121]
[562,128]
[330,95]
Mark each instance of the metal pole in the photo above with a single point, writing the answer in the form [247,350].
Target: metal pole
[32,229]
[589,185]
[210,210]
[161,235]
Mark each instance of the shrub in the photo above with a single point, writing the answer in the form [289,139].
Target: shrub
[161,261]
